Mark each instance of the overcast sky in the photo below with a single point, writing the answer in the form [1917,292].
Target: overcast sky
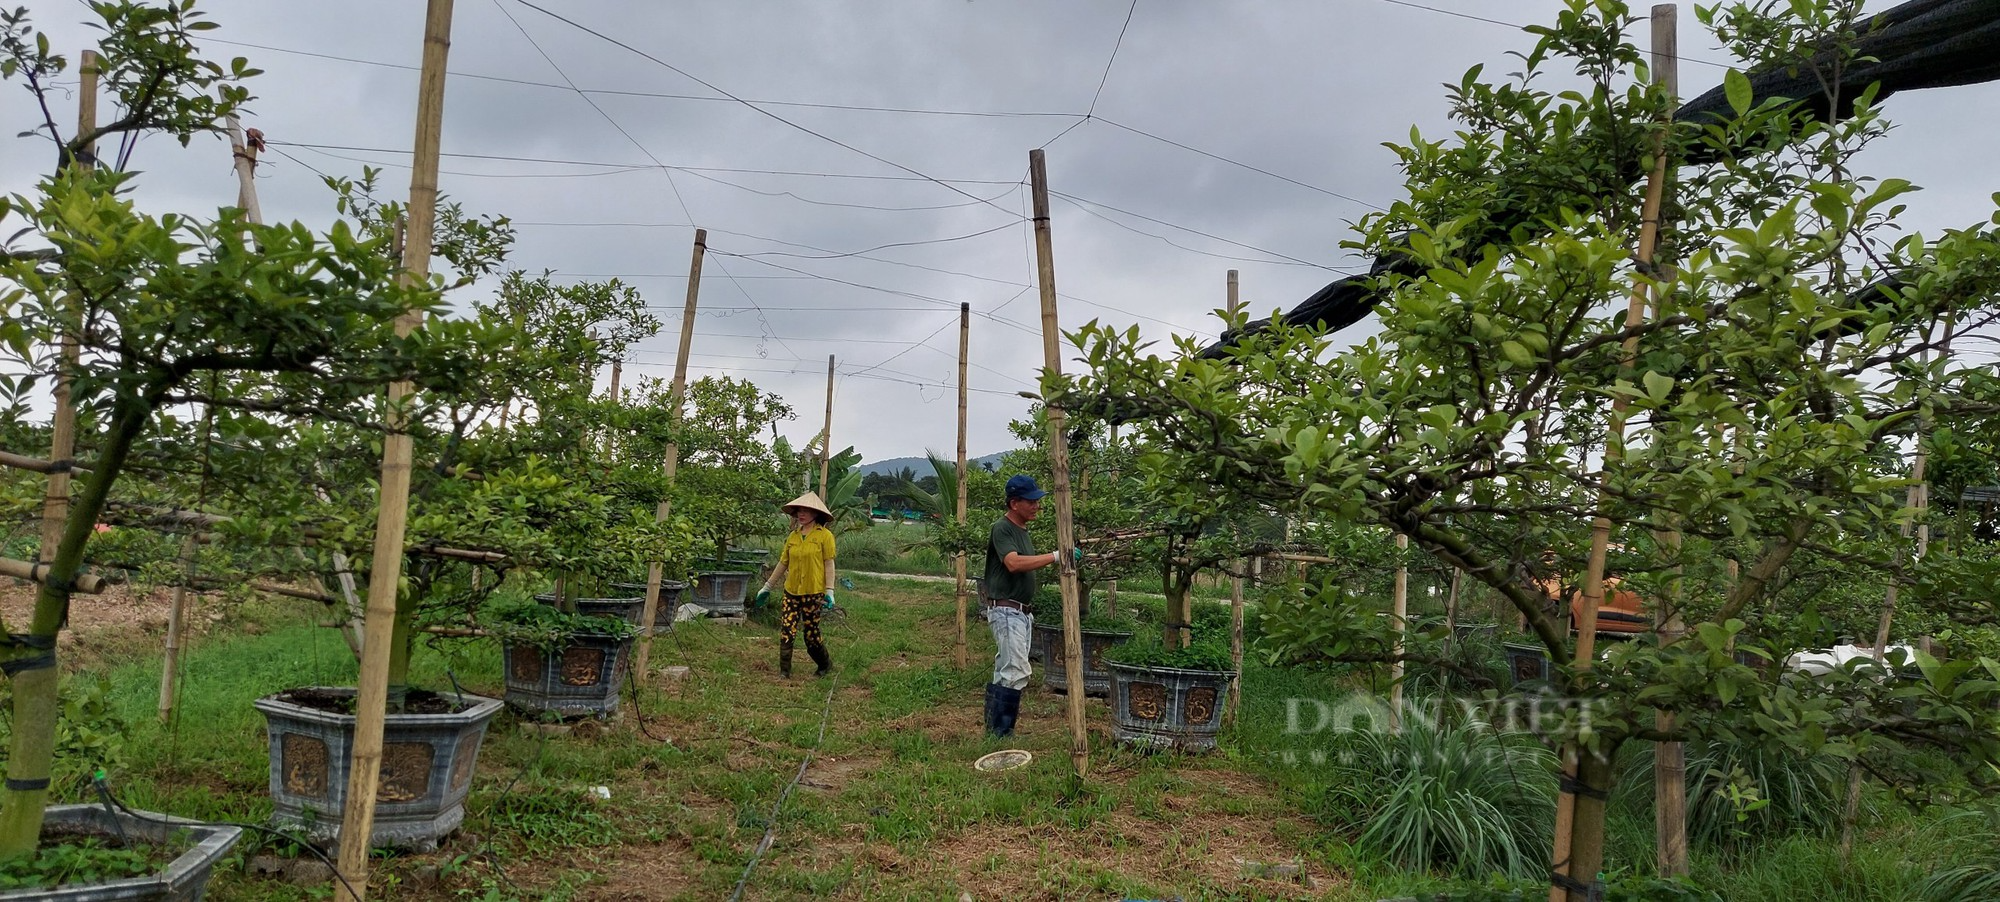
[1144,231]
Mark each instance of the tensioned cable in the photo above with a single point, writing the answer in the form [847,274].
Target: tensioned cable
[1518,27]
[760,110]
[917,344]
[1222,159]
[860,108]
[1085,205]
[834,255]
[689,169]
[676,188]
[1101,81]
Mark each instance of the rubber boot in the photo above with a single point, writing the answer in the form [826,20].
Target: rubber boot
[993,691]
[820,657]
[1010,711]
[785,660]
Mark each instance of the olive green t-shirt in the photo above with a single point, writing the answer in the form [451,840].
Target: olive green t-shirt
[1006,537]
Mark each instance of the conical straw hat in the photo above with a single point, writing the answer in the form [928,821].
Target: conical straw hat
[810,501]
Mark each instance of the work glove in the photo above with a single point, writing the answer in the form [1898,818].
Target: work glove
[763,597]
[829,599]
[1076,554]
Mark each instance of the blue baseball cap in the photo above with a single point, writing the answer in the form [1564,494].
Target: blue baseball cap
[1024,488]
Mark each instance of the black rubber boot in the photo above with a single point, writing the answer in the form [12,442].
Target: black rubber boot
[1010,711]
[993,691]
[785,660]
[820,657]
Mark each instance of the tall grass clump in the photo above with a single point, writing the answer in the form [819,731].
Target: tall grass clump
[1461,798]
[1738,791]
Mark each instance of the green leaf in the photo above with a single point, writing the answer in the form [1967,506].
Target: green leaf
[1736,86]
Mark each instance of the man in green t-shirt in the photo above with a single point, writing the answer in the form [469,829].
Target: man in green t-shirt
[1011,563]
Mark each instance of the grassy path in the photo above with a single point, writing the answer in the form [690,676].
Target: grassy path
[889,808]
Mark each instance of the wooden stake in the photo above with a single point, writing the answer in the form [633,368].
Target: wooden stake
[62,444]
[1235,305]
[1918,497]
[1399,610]
[826,437]
[1583,868]
[357,822]
[1451,603]
[1045,274]
[245,152]
[958,652]
[649,612]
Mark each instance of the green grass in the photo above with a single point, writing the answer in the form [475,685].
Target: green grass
[890,808]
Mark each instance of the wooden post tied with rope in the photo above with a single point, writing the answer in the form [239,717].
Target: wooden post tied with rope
[958,653]
[1045,271]
[649,611]
[357,821]
[1581,797]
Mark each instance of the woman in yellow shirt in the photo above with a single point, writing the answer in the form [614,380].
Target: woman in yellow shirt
[805,569]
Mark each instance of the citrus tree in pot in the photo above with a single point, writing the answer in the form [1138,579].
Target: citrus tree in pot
[164,311]
[1777,382]
[733,471]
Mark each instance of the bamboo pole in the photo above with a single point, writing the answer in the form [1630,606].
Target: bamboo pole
[1918,498]
[649,612]
[37,572]
[826,437]
[62,426]
[385,574]
[1045,276]
[1111,588]
[1575,865]
[1399,610]
[1235,305]
[958,652]
[243,152]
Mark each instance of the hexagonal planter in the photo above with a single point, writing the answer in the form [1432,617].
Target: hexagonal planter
[663,617]
[1055,675]
[579,680]
[184,879]
[1167,707]
[427,764]
[721,592]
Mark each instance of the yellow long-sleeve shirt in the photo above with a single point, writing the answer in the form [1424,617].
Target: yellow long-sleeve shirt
[807,561]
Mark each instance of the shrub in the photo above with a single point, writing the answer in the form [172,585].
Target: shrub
[1463,798]
[1149,652]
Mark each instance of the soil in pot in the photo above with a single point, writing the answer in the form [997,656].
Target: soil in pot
[418,701]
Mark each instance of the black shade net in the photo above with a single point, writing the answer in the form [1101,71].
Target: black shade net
[1919,44]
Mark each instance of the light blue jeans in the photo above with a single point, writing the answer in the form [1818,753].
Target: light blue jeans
[1011,631]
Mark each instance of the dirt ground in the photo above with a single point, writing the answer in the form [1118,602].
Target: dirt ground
[123,617]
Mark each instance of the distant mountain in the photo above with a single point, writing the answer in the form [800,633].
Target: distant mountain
[921,466]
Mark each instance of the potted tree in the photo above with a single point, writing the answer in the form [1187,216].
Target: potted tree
[1169,696]
[731,476]
[1776,380]
[277,309]
[534,500]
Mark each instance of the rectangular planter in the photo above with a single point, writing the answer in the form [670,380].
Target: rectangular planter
[1526,663]
[581,680]
[1055,674]
[427,764]
[722,592]
[1167,707]
[185,879]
